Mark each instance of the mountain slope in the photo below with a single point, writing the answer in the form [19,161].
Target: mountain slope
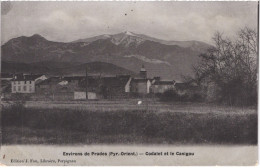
[139,38]
[168,59]
[59,68]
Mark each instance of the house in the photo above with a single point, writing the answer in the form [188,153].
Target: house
[160,86]
[60,84]
[25,83]
[93,87]
[57,88]
[76,80]
[80,95]
[49,85]
[140,85]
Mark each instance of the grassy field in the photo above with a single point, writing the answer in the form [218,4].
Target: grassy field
[132,104]
[126,122]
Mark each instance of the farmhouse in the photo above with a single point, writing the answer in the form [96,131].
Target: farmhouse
[61,88]
[25,83]
[76,80]
[141,86]
[162,86]
[93,87]
[49,85]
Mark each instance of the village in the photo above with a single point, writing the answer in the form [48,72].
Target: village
[88,87]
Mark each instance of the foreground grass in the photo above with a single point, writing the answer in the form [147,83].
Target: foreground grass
[81,126]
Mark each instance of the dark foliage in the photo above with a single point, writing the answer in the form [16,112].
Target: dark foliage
[231,66]
[172,96]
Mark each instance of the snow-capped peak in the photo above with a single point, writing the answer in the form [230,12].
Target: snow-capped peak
[130,33]
[107,35]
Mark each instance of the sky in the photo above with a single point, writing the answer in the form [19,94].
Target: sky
[180,21]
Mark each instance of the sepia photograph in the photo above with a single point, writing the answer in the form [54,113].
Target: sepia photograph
[129,83]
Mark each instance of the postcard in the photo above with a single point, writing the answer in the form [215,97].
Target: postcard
[137,83]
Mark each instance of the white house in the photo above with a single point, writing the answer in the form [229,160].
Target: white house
[25,83]
[140,85]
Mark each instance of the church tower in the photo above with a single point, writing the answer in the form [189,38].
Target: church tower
[143,73]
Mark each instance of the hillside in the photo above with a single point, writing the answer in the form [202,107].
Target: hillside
[168,59]
[57,68]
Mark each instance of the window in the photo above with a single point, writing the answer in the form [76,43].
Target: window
[25,82]
[30,88]
[14,88]
[24,88]
[19,88]
[30,82]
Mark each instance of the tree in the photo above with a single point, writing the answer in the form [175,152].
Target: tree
[232,66]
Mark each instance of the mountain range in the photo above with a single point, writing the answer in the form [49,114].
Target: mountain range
[51,68]
[125,52]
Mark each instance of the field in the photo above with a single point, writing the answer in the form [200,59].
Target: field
[127,122]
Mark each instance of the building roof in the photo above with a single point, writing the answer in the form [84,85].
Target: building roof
[71,78]
[164,83]
[26,77]
[142,70]
[6,75]
[51,81]
[140,80]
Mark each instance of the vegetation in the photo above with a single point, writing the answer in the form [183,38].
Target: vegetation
[231,68]
[172,95]
[82,126]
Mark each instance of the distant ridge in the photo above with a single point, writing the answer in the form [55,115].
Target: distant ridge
[59,68]
[168,59]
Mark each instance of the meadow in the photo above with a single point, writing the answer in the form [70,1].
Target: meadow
[127,122]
